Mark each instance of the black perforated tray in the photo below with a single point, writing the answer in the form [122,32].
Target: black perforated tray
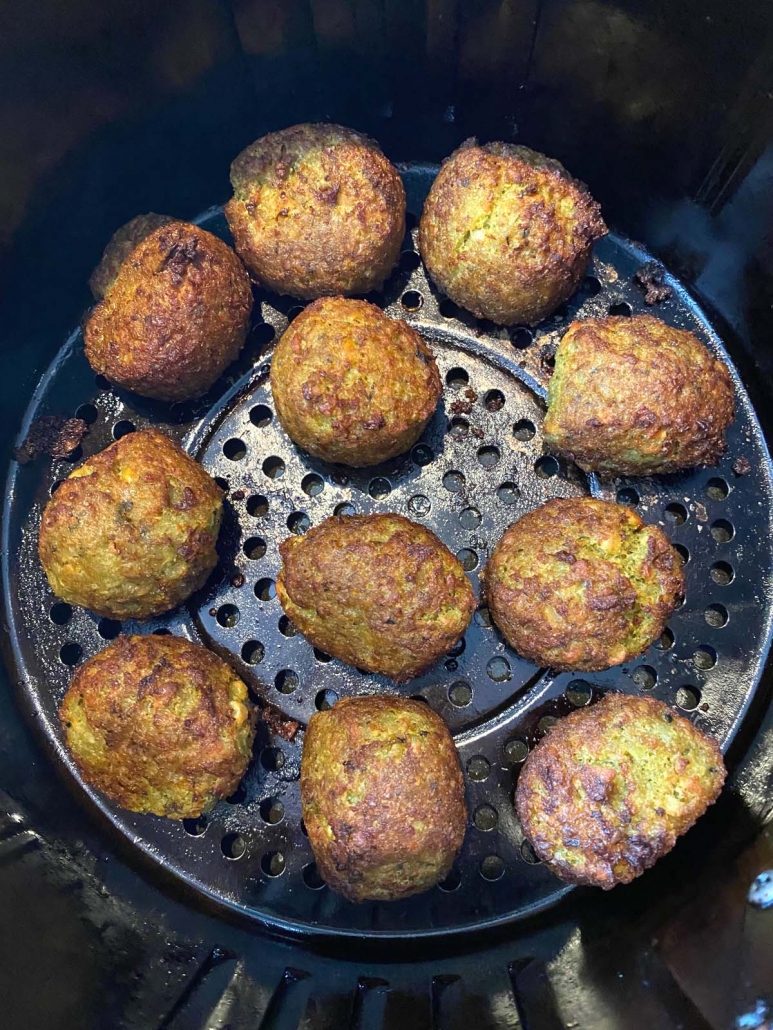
[477,468]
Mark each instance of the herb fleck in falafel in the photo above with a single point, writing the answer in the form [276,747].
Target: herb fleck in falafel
[317,211]
[352,385]
[377,591]
[506,232]
[582,584]
[611,787]
[383,797]
[160,725]
[634,396]
[131,533]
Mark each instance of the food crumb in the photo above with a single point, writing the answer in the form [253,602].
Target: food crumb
[741,466]
[51,434]
[650,278]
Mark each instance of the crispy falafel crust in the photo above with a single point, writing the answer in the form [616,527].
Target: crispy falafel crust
[611,787]
[132,531]
[634,396]
[383,797]
[352,385]
[174,314]
[582,584]
[317,211]
[377,591]
[506,232]
[159,724]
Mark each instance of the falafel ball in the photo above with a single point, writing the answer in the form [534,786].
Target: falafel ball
[634,396]
[160,725]
[352,385]
[131,533]
[317,211]
[506,232]
[174,312]
[383,797]
[582,584]
[611,787]
[377,591]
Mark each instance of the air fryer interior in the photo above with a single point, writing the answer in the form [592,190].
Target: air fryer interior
[113,110]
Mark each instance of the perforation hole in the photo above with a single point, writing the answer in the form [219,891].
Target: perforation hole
[675,514]
[722,531]
[528,854]
[260,415]
[478,768]
[265,589]
[453,481]
[195,827]
[123,428]
[684,554]
[234,449]
[312,878]
[716,616]
[71,653]
[688,697]
[286,627]
[422,455]
[460,694]
[516,751]
[298,522]
[578,693]
[628,497]
[494,400]
[273,467]
[286,681]
[457,378]
[88,413]
[412,300]
[546,724]
[722,573]
[108,629]
[665,641]
[60,613]
[645,677]
[486,818]
[448,309]
[521,337]
[467,558]
[257,506]
[325,700]
[590,286]
[508,493]
[524,430]
[458,427]
[272,811]
[322,656]
[621,310]
[409,261]
[546,467]
[470,518]
[312,484]
[294,311]
[492,868]
[717,489]
[498,669]
[379,488]
[488,456]
[452,882]
[55,486]
[272,759]
[254,548]
[273,863]
[705,658]
[345,508]
[483,618]
[227,616]
[263,333]
[253,652]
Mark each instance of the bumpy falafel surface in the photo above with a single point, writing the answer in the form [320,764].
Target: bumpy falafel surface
[317,211]
[611,787]
[377,591]
[174,312]
[383,797]
[131,533]
[506,232]
[634,396]
[160,725]
[582,584]
[352,385]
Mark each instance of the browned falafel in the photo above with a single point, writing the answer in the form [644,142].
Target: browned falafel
[506,232]
[317,211]
[352,385]
[582,584]
[174,312]
[131,533]
[377,591]
[383,797]
[634,396]
[611,787]
[159,725]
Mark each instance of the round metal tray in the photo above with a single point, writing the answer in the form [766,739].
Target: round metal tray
[478,467]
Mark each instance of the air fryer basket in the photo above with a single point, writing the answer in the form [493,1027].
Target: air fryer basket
[122,921]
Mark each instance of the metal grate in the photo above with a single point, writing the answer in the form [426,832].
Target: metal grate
[477,468]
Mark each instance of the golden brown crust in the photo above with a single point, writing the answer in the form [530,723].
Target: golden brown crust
[582,584]
[159,725]
[383,797]
[506,232]
[174,315]
[317,211]
[610,789]
[377,591]
[634,396]
[131,533]
[352,385]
